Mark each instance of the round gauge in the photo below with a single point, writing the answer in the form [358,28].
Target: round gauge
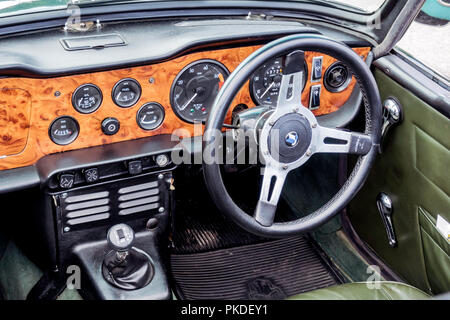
[64,130]
[195,88]
[126,93]
[87,98]
[266,81]
[150,116]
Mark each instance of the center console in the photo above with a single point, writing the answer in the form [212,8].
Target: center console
[107,210]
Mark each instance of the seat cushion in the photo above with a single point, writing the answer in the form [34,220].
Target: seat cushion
[365,291]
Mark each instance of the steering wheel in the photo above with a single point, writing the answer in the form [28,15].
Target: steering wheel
[289,134]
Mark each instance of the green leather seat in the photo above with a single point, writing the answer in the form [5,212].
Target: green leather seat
[360,291]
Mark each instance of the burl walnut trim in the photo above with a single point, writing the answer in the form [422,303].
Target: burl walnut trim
[27,112]
[15,107]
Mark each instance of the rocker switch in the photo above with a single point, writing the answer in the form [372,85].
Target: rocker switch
[66,180]
[314,97]
[135,167]
[316,73]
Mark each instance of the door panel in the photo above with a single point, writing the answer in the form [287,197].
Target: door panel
[414,171]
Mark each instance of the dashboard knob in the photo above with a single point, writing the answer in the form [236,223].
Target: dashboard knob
[110,126]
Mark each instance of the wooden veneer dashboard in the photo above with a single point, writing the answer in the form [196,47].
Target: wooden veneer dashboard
[29,105]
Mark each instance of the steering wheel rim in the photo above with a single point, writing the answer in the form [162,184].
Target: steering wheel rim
[237,79]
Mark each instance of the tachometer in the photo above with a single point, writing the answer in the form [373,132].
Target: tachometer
[195,88]
[265,82]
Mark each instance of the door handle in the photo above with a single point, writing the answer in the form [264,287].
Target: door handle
[392,116]
[386,209]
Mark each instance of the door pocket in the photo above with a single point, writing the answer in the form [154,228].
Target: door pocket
[436,252]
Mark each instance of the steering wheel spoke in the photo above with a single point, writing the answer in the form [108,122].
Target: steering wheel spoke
[290,92]
[272,185]
[341,141]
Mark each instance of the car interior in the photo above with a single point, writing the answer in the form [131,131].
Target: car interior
[230,150]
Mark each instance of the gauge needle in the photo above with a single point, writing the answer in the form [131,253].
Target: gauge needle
[267,90]
[189,101]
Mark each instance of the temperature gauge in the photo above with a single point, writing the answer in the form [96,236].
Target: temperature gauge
[150,116]
[64,130]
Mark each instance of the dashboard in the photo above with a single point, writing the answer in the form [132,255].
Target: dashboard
[41,116]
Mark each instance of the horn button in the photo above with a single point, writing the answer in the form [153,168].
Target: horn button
[289,138]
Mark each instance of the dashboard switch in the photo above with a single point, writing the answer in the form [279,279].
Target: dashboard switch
[135,167]
[91,175]
[314,97]
[316,72]
[162,160]
[110,126]
[66,180]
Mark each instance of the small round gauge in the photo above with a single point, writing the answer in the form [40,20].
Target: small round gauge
[195,88]
[87,98]
[150,116]
[64,130]
[266,81]
[126,92]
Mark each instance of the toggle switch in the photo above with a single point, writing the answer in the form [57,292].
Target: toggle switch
[316,72]
[314,97]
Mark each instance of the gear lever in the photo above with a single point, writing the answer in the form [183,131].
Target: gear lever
[126,267]
[120,238]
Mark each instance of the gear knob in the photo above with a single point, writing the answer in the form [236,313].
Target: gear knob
[120,237]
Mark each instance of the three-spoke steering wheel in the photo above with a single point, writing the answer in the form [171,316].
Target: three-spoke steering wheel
[290,134]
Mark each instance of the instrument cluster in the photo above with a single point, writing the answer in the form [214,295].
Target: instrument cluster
[88,98]
[192,94]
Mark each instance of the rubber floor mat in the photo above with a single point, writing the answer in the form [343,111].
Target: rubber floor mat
[199,225]
[205,232]
[270,270]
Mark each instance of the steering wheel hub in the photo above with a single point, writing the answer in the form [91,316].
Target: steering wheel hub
[289,138]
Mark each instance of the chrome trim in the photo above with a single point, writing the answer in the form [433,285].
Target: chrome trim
[386,209]
[392,115]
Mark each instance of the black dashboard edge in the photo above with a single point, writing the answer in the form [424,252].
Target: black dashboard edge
[188,8]
[19,178]
[38,174]
[55,61]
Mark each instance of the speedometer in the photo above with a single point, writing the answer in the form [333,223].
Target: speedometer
[265,82]
[195,88]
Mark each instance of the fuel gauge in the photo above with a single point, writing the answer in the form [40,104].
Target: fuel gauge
[126,93]
[64,130]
